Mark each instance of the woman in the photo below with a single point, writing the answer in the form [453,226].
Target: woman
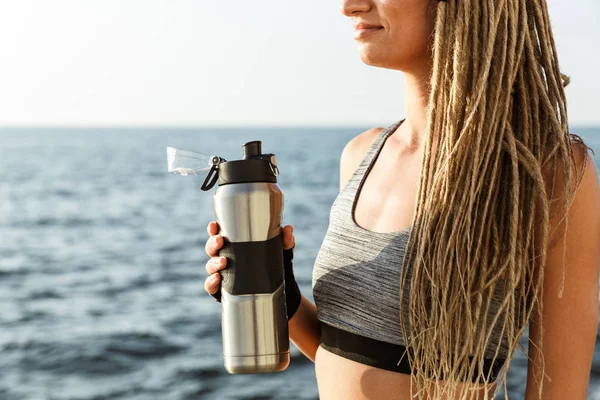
[460,209]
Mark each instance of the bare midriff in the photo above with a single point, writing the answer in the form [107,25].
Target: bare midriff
[339,378]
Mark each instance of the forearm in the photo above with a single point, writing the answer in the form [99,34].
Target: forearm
[530,395]
[555,391]
[305,329]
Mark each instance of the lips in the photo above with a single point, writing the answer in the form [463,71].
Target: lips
[363,25]
[365,33]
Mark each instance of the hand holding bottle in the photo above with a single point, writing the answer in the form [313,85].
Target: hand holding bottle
[217,263]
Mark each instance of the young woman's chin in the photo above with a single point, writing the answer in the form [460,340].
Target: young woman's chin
[374,55]
[382,58]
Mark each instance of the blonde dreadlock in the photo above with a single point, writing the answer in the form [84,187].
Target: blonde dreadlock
[497,114]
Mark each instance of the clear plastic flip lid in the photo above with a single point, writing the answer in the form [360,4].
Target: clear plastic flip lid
[186,162]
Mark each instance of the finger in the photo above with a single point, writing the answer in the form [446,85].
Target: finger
[211,283]
[213,244]
[215,264]
[213,228]
[289,240]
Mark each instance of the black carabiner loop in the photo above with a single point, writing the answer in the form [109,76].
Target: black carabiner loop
[207,186]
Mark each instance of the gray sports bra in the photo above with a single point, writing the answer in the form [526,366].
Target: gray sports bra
[356,283]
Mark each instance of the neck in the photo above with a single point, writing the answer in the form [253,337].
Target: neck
[416,99]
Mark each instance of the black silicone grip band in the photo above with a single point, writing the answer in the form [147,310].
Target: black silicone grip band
[241,276]
[293,297]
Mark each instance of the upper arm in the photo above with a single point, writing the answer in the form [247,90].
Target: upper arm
[570,323]
[354,152]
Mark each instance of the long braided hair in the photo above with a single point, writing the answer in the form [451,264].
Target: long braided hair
[497,116]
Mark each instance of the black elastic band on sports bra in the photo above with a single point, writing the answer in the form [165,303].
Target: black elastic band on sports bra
[380,354]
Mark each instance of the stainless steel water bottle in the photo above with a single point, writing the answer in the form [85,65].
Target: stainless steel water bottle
[248,204]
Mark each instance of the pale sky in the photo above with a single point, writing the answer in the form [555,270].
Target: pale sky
[225,62]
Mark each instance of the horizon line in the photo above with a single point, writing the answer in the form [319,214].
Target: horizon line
[239,126]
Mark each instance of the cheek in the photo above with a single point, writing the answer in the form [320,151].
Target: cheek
[406,4]
[409,24]
[396,3]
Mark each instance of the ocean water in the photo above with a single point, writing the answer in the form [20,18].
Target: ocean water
[102,262]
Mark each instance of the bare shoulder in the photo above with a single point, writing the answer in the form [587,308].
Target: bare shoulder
[585,179]
[354,152]
[584,168]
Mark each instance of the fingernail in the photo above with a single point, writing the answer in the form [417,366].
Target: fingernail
[213,277]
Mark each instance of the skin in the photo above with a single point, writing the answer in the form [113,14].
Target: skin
[387,203]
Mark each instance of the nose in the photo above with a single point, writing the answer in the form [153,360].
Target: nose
[349,7]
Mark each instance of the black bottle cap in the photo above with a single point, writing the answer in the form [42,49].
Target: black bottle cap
[252,149]
[254,167]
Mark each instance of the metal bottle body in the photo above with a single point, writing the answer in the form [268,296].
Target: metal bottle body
[254,319]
